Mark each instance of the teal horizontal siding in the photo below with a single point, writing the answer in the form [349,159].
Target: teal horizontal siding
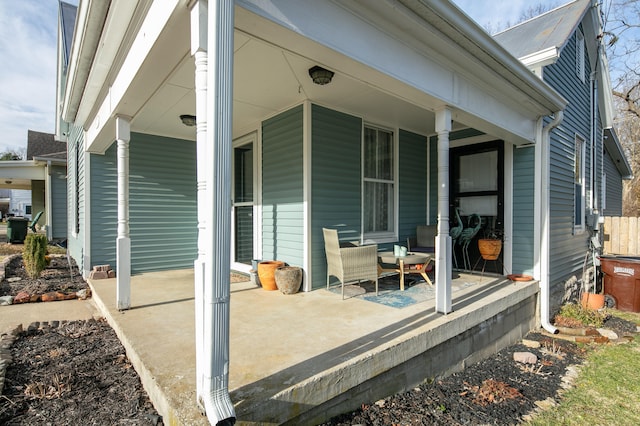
[336,183]
[567,248]
[162,204]
[282,188]
[412,188]
[523,210]
[59,202]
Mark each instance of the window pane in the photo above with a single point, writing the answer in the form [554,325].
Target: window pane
[479,172]
[385,156]
[243,170]
[378,207]
[370,158]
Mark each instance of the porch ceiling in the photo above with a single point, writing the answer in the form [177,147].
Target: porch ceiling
[267,80]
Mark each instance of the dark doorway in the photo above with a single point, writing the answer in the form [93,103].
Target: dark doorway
[477,196]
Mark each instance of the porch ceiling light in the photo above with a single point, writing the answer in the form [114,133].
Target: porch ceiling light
[320,75]
[188,120]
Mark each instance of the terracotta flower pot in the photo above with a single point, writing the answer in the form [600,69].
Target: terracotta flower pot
[489,249]
[592,300]
[288,279]
[266,273]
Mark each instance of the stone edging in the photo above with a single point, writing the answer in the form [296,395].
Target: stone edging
[6,340]
[5,262]
[46,297]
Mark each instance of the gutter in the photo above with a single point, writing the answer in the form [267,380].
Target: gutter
[545,227]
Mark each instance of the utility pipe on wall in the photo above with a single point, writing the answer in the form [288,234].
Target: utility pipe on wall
[543,156]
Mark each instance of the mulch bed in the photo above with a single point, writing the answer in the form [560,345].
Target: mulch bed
[74,373]
[58,277]
[497,390]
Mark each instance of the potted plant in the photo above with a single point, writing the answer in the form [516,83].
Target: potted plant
[589,298]
[491,245]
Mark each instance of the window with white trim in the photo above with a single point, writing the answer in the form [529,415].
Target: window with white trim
[378,184]
[580,55]
[578,181]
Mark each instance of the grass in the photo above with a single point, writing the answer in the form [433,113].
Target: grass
[606,390]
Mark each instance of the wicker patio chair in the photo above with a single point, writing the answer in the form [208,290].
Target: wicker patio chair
[348,264]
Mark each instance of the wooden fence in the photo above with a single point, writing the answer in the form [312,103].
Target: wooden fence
[621,235]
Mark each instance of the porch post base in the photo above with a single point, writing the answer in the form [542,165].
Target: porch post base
[443,274]
[123,273]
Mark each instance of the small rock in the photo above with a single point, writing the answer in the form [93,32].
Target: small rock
[380,403]
[35,298]
[83,294]
[531,343]
[98,275]
[21,297]
[14,279]
[610,334]
[546,403]
[590,331]
[525,357]
[111,273]
[6,300]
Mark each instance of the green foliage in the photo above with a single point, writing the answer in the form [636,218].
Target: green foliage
[10,156]
[33,255]
[585,316]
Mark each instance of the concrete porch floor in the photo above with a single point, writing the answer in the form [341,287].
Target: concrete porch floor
[298,358]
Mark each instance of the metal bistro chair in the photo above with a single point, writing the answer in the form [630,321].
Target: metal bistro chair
[357,263]
[473,226]
[35,220]
[455,233]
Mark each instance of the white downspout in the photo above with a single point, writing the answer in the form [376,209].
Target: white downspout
[48,200]
[217,291]
[543,158]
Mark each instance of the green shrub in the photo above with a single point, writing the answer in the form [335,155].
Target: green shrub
[581,315]
[33,255]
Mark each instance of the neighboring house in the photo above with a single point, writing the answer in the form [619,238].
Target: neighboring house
[414,111]
[586,162]
[20,203]
[39,183]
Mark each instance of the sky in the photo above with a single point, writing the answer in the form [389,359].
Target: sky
[28,37]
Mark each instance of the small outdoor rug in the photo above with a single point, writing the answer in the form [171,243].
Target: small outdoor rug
[389,293]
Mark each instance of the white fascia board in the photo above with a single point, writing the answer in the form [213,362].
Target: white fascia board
[101,130]
[90,17]
[471,38]
[541,58]
[26,169]
[121,17]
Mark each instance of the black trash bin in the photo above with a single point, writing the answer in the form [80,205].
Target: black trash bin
[622,281]
[17,229]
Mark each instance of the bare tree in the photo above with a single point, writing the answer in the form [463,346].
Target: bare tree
[621,38]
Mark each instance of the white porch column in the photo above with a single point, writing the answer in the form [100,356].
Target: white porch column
[199,52]
[217,213]
[443,240]
[123,242]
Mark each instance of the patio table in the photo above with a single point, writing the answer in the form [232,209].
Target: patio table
[404,264]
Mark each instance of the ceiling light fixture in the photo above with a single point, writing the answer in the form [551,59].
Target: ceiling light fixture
[320,75]
[188,120]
